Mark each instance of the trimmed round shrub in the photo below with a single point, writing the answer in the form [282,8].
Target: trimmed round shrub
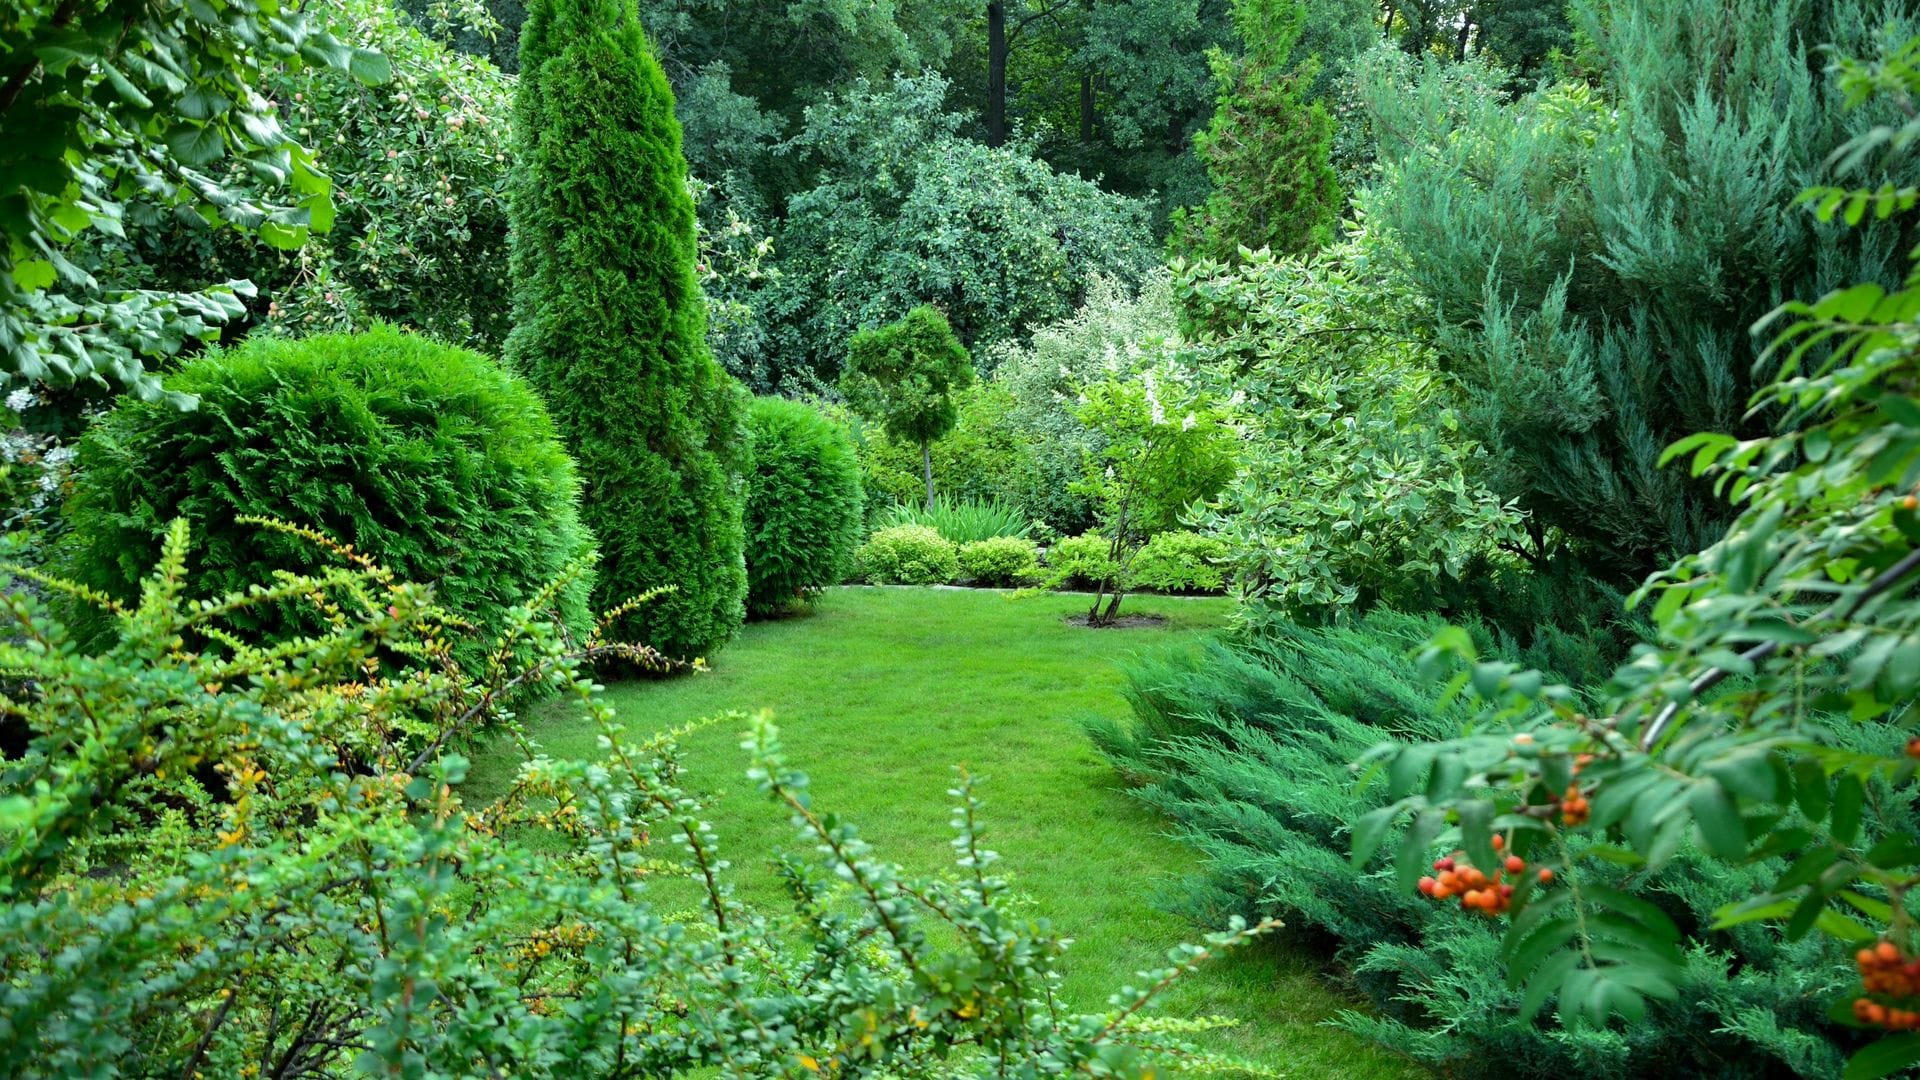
[909,555]
[1001,560]
[1179,562]
[803,504]
[432,459]
[1081,560]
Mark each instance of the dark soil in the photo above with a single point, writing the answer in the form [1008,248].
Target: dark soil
[1124,622]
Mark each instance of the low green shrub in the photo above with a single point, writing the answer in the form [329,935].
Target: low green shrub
[432,459]
[959,520]
[1179,562]
[908,555]
[1080,561]
[1000,560]
[803,504]
[1247,747]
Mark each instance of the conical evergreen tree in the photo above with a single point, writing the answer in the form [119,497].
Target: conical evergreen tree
[610,325]
[1267,150]
[1597,252]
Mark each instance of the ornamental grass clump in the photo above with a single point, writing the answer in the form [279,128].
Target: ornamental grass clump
[961,520]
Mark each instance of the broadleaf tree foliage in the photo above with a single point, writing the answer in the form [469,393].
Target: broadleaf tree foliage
[118,111]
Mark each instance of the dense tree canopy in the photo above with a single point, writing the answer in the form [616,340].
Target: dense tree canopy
[98,104]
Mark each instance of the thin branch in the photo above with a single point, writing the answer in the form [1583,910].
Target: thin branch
[206,1039]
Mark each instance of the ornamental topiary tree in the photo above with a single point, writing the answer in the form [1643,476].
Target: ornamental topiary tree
[610,325]
[803,507]
[429,458]
[904,375]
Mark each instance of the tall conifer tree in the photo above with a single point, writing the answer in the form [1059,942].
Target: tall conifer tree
[610,325]
[1596,253]
[1267,151]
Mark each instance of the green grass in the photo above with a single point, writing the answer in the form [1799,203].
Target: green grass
[881,692]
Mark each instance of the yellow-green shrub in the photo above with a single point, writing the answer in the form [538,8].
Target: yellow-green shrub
[909,555]
[1000,560]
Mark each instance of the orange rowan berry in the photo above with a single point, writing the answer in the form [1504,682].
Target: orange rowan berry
[1427,885]
[1913,747]
[1516,864]
[1499,841]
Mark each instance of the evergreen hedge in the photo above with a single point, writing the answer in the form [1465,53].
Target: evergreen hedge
[610,325]
[803,507]
[430,458]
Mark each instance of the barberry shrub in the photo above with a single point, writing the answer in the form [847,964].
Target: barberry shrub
[803,504]
[908,555]
[430,458]
[610,325]
[191,883]
[1745,726]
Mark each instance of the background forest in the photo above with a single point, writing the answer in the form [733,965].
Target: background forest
[1536,379]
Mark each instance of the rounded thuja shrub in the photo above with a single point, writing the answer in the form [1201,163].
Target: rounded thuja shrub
[803,504]
[432,459]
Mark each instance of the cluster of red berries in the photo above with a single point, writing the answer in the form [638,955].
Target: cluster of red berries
[1478,892]
[1885,972]
[1574,807]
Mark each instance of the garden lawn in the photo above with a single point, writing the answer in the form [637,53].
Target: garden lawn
[882,691]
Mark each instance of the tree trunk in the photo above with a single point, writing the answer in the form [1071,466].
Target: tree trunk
[1386,26]
[1460,43]
[926,463]
[996,72]
[1086,107]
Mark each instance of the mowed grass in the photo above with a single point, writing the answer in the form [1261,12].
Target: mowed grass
[880,693]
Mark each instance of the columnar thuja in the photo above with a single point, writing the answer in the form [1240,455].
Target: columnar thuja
[610,326]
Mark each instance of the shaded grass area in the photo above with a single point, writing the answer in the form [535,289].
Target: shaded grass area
[880,693]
